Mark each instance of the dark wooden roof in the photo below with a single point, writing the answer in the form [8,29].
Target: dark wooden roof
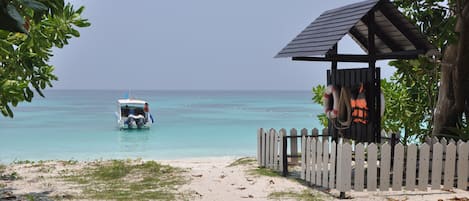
[394,34]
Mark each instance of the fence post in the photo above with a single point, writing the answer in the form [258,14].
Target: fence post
[344,172]
[259,147]
[281,147]
[325,170]
[398,169]
[274,150]
[372,172]
[285,158]
[333,164]
[411,167]
[303,157]
[359,167]
[267,148]
[263,149]
[319,162]
[424,163]
[437,161]
[385,165]
[450,163]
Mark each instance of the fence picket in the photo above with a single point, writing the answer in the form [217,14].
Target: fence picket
[308,159]
[372,173]
[319,163]
[304,133]
[347,170]
[340,165]
[272,145]
[275,151]
[313,160]
[411,167]
[359,167]
[283,133]
[424,163]
[264,149]
[325,166]
[433,164]
[333,165]
[398,168]
[385,165]
[259,147]
[303,157]
[450,163]
[436,165]
[463,150]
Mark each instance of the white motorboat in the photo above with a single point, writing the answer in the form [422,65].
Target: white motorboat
[131,114]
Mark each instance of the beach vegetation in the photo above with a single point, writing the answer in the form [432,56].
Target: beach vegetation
[128,180]
[2,168]
[305,195]
[263,172]
[10,176]
[243,161]
[29,30]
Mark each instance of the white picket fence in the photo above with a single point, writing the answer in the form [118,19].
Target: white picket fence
[434,164]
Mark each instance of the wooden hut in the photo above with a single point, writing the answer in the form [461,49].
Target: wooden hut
[381,30]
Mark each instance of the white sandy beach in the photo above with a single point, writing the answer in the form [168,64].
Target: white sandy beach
[210,179]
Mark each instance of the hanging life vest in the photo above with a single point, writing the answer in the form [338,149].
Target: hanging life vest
[359,107]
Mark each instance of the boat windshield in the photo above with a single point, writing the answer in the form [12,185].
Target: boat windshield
[134,109]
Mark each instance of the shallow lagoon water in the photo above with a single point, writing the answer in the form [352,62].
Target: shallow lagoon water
[81,125]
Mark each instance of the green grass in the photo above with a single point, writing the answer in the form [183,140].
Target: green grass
[263,172]
[242,161]
[127,180]
[305,195]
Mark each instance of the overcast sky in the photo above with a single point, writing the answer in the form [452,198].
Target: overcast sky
[203,44]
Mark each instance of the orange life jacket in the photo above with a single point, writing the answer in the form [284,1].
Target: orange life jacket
[359,107]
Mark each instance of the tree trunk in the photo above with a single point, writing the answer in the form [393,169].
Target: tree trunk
[454,84]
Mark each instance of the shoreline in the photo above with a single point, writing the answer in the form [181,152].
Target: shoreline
[199,178]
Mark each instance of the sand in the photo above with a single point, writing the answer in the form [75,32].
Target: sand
[210,179]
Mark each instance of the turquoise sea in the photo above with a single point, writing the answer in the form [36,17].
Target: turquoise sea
[81,125]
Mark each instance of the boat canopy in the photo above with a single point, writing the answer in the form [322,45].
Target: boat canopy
[131,101]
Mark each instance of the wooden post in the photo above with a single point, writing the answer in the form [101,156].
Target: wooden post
[450,164]
[437,161]
[398,168]
[372,173]
[281,149]
[285,158]
[303,157]
[359,167]
[462,165]
[259,147]
[385,165]
[424,163]
[411,167]
[333,165]
[325,166]
[263,149]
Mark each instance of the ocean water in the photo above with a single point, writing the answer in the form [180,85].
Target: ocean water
[81,125]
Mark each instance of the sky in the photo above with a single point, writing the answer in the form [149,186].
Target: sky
[194,45]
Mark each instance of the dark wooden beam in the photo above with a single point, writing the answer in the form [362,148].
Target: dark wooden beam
[400,25]
[413,54]
[359,37]
[382,35]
